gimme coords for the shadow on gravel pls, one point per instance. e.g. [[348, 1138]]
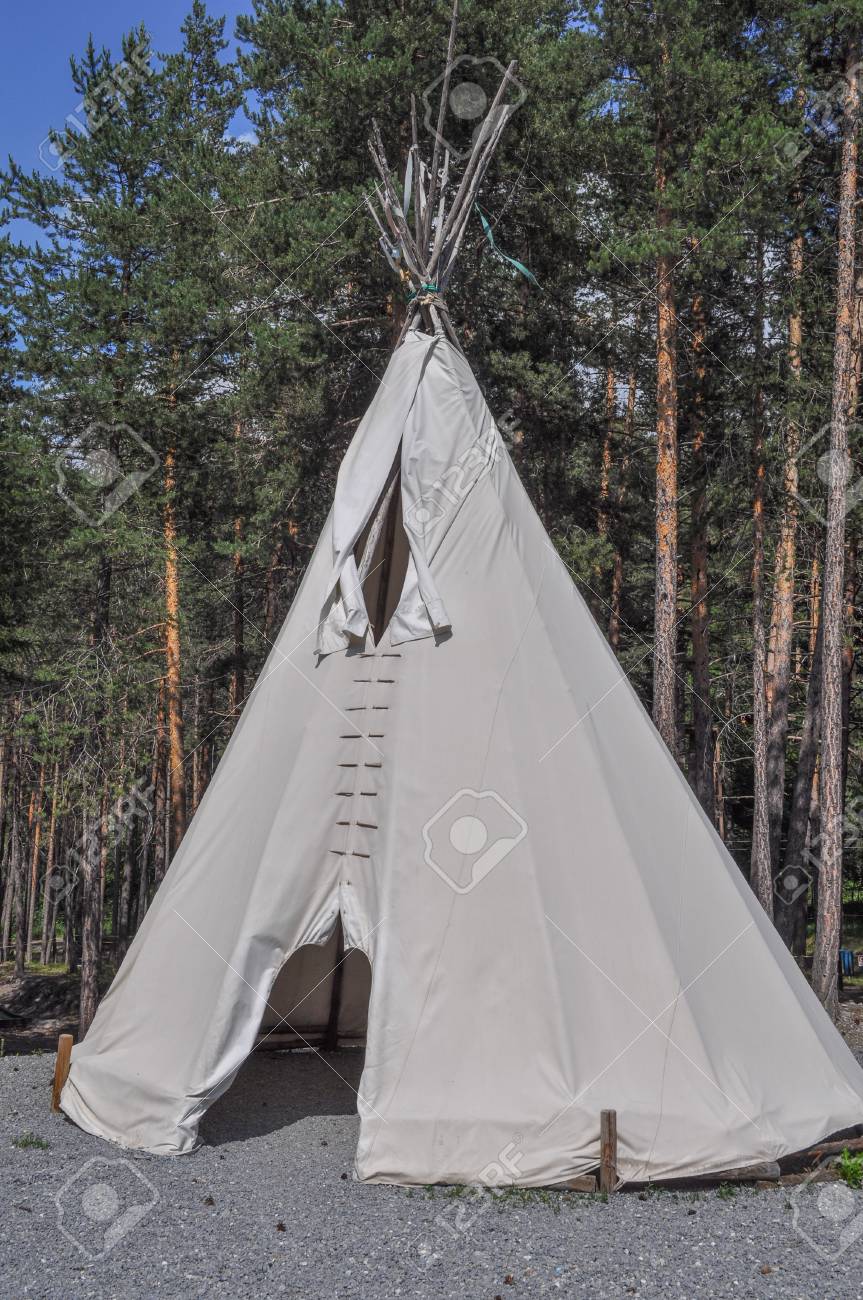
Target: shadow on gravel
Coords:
[[274, 1090]]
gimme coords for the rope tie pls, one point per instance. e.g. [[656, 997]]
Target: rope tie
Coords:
[[427, 295]]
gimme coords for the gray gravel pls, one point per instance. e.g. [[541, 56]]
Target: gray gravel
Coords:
[[265, 1209]]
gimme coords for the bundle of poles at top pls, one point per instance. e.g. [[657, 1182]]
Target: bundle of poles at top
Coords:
[[429, 247]]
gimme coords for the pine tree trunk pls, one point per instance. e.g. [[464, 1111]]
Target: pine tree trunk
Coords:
[[104, 849], [88, 895], [779, 662], [125, 902], [142, 899], [91, 916], [5, 742], [790, 915], [597, 600], [238, 671], [702, 713], [828, 926], [271, 586], [48, 908], [18, 863], [760, 874], [665, 605], [35, 850], [848, 656], [173, 680], [204, 748], [72, 909], [614, 620], [8, 900], [10, 796], [719, 788], [159, 783]]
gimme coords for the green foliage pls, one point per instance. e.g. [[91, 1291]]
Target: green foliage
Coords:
[[29, 1141], [850, 1168]]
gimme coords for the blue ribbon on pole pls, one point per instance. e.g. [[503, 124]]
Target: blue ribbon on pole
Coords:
[[513, 261]]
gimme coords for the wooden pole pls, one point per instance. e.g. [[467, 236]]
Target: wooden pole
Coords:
[[61, 1068], [608, 1151], [331, 1036]]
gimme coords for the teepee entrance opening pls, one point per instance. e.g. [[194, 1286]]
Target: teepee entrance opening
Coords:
[[320, 998], [382, 554]]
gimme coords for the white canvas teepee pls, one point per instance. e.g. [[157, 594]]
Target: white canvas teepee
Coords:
[[443, 754]]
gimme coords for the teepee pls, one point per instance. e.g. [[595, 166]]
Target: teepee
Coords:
[[443, 767]]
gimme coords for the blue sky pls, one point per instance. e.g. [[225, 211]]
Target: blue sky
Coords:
[[38, 37]]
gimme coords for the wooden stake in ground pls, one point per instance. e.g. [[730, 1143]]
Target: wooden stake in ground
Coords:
[[824, 966], [61, 1068], [608, 1151]]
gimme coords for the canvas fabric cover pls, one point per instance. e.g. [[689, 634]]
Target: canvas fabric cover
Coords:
[[553, 925]]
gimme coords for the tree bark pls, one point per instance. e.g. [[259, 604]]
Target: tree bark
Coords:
[[47, 946], [9, 804], [18, 867], [5, 742], [238, 671], [142, 899], [829, 920], [271, 587], [779, 660], [203, 761], [91, 916], [665, 603], [760, 874], [702, 714], [795, 879], [159, 783], [35, 851], [604, 481], [848, 656], [125, 901], [614, 620], [173, 677]]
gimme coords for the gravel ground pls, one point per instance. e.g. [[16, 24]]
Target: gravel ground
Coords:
[[268, 1208]]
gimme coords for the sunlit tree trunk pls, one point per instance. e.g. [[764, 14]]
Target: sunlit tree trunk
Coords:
[[665, 602], [829, 920], [779, 660], [173, 676]]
